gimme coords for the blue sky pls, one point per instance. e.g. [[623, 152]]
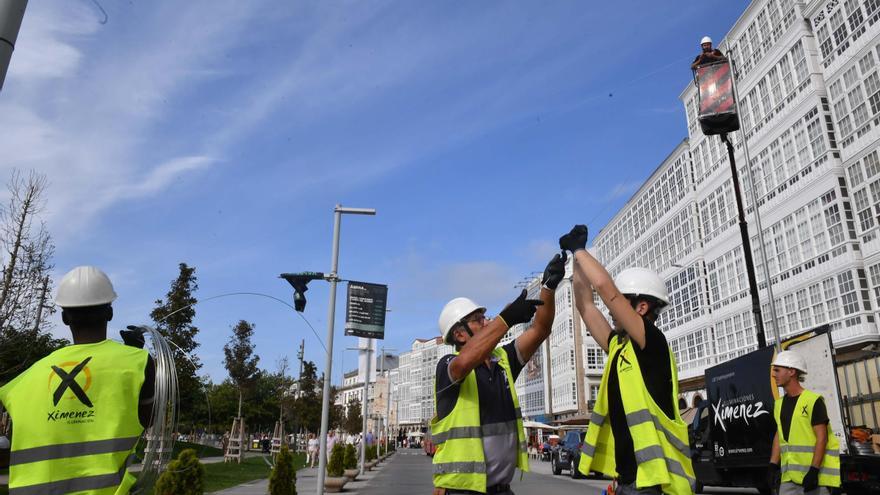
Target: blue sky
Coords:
[[222, 133]]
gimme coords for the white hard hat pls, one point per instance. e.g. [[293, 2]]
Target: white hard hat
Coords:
[[453, 313], [642, 281], [84, 286], [791, 359], [705, 39]]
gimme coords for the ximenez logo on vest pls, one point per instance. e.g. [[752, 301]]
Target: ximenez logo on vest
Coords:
[[65, 388]]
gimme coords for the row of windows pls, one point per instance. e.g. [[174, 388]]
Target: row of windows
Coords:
[[825, 301], [565, 395], [668, 244], [808, 232], [776, 166], [768, 26], [840, 23], [660, 197], [684, 296], [734, 336], [708, 155], [691, 349], [855, 98], [779, 86], [727, 278], [864, 180]]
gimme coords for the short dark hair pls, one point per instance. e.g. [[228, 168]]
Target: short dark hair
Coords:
[[654, 304]]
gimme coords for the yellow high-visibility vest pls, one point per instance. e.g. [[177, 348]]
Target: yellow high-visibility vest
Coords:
[[75, 420], [660, 443], [459, 461], [796, 453]]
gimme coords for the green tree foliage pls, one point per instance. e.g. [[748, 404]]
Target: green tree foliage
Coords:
[[240, 361], [336, 465], [282, 481], [354, 421], [307, 409], [350, 461], [20, 349], [184, 476], [173, 316], [371, 452]]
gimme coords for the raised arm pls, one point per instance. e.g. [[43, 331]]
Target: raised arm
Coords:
[[527, 343], [597, 276], [596, 323]]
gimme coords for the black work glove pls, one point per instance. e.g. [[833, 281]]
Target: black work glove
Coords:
[[554, 272], [134, 336], [521, 310], [575, 240], [811, 479], [773, 476]]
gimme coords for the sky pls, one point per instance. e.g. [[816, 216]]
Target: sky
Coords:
[[222, 134]]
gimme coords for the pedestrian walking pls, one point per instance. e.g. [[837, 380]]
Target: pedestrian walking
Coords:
[[478, 431], [312, 452], [804, 445], [636, 433], [77, 434]]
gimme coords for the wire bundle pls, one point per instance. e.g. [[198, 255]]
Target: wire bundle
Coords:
[[160, 434]]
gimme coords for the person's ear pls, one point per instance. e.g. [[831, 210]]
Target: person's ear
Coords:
[[64, 318]]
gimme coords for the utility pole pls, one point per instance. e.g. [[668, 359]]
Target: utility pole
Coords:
[[11, 15], [364, 408]]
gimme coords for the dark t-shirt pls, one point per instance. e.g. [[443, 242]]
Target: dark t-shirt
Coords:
[[820, 413], [657, 375], [496, 403], [716, 52]]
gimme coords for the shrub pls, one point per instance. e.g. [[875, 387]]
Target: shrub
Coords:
[[350, 461], [337, 455], [183, 476], [371, 452], [282, 481]]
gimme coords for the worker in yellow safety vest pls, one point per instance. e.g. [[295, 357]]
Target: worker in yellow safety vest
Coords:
[[78, 413], [805, 449], [478, 430], [636, 433]]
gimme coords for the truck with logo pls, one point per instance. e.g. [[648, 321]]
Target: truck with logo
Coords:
[[732, 431]]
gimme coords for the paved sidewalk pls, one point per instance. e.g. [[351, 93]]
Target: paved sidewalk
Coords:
[[307, 482]]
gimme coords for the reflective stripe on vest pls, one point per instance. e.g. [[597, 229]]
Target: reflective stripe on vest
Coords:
[[796, 453], [661, 449], [459, 461], [75, 420]]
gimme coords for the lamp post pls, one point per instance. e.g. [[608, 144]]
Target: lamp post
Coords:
[[333, 278], [11, 15], [388, 398]]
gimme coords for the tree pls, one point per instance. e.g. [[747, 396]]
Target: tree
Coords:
[[354, 421], [307, 412], [173, 317], [282, 481], [26, 251], [27, 254], [240, 361]]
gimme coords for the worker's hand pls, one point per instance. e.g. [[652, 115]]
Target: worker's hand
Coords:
[[773, 476], [134, 336], [575, 240], [554, 272], [439, 491], [811, 479], [521, 310]]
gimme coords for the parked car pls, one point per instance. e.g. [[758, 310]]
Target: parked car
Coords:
[[568, 454]]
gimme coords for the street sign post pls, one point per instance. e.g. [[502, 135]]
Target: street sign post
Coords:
[[365, 310]]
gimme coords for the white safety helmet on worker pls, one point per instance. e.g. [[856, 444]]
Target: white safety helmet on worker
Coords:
[[645, 282], [454, 312], [705, 40], [84, 286], [791, 359]]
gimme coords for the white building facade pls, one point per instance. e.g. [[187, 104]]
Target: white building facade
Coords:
[[414, 390]]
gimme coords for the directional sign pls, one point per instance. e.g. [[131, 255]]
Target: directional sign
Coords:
[[365, 310]]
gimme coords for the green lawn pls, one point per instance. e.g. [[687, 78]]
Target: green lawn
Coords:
[[224, 475], [201, 450]]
